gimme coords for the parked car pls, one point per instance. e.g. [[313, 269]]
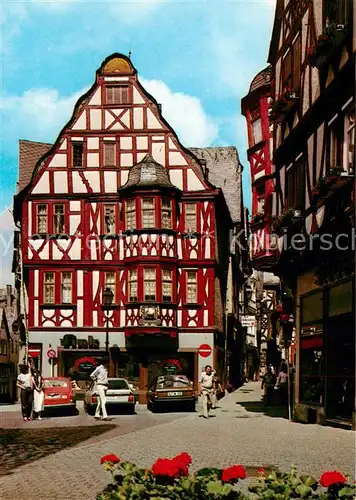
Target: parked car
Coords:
[[172, 390], [120, 394], [58, 394]]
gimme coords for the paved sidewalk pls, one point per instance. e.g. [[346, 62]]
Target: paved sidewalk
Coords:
[[235, 435]]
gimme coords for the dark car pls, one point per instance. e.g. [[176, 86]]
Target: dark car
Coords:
[[171, 390]]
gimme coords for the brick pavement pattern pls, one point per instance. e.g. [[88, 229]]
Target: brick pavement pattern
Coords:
[[234, 436]]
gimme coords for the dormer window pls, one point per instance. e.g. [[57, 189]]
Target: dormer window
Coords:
[[130, 214], [148, 213], [117, 94], [166, 213]]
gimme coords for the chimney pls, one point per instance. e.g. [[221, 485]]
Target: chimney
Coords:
[[8, 295], [204, 168]]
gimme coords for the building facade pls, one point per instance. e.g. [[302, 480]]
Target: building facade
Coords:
[[9, 345], [125, 240], [312, 124]]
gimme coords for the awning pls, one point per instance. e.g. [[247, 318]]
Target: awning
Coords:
[[34, 353]]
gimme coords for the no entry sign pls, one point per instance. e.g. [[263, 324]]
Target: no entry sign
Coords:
[[51, 353], [204, 350]]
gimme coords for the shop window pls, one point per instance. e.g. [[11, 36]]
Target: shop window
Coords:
[[338, 12], [291, 67], [349, 145], [167, 285], [191, 217], [66, 288], [109, 154], [148, 212], [109, 219], [312, 308], [192, 287], [311, 374], [77, 155], [166, 213], [49, 283], [42, 218], [295, 185], [130, 214], [117, 94], [335, 144], [341, 299], [133, 286], [59, 219], [257, 130], [149, 277], [110, 283]]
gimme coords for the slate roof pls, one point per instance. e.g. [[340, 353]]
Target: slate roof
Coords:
[[29, 154], [224, 172], [262, 78], [148, 173]]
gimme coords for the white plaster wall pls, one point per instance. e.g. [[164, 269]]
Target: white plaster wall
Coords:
[[137, 98], [152, 121], [138, 118], [58, 160], [176, 158], [60, 182], [176, 177], [142, 142], [126, 142], [95, 119], [192, 340], [42, 186], [194, 183], [110, 181]]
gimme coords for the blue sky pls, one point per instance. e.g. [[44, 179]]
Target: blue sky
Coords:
[[196, 57]]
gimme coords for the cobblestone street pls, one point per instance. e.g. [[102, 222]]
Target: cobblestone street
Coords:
[[234, 435]]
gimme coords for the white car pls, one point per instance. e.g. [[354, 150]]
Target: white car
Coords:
[[119, 394]]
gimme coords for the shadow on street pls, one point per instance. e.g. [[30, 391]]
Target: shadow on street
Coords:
[[270, 411]]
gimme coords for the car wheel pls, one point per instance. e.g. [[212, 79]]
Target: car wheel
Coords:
[[132, 410], [191, 407]]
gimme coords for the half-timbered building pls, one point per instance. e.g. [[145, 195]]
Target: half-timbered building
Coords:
[[312, 119], [118, 208]]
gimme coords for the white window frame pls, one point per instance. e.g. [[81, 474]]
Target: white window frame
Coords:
[[132, 286], [49, 288], [149, 285], [192, 286], [148, 212], [191, 214], [66, 287]]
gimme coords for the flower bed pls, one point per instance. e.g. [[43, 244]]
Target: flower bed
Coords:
[[170, 478]]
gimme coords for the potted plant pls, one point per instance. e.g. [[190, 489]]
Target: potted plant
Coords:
[[321, 51], [257, 218], [333, 174], [283, 104]]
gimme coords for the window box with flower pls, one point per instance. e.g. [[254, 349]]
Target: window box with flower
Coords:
[[324, 48], [283, 221], [257, 219], [283, 105]]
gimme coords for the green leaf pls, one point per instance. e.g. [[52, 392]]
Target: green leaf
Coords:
[[347, 492], [308, 481], [226, 490], [303, 490], [214, 487]]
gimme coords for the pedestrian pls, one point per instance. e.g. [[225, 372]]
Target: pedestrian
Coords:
[[207, 388], [24, 382], [216, 390], [282, 383], [268, 383], [100, 377], [38, 395]]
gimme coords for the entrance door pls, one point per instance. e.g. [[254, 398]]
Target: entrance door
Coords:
[[340, 367]]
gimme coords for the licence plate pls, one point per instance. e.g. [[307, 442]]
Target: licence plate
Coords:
[[53, 396], [175, 394], [116, 398]]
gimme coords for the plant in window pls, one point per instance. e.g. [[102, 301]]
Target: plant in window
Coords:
[[256, 218], [318, 53], [283, 220], [283, 104]]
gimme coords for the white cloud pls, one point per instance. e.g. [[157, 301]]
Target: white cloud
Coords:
[[184, 113], [39, 114], [6, 247]]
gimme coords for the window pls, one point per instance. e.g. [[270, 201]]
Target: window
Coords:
[[260, 192], [110, 282], [167, 285], [133, 286], [66, 288], [166, 213], [109, 154], [295, 185], [291, 67], [149, 277], [117, 94], [335, 144], [109, 219], [148, 212], [130, 214], [42, 221], [192, 287], [77, 151], [257, 130], [311, 373], [58, 219], [338, 12], [349, 158], [191, 217], [49, 288]]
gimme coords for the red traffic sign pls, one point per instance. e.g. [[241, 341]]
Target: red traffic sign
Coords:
[[204, 350], [51, 353]]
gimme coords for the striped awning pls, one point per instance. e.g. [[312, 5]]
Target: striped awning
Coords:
[[34, 352]]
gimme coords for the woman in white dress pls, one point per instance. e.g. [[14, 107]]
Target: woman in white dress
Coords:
[[38, 395]]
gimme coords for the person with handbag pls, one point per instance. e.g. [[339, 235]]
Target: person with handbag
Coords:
[[25, 383], [100, 377], [38, 395]]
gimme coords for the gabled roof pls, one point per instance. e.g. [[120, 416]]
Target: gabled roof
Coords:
[[263, 78], [225, 172], [148, 173], [29, 154]]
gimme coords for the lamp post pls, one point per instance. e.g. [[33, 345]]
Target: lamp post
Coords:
[[108, 297]]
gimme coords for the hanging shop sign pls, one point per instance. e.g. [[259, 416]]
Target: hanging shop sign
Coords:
[[248, 321], [171, 366], [70, 341], [85, 363]]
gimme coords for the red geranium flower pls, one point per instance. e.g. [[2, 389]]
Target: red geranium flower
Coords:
[[332, 477], [261, 471], [110, 458], [233, 473], [166, 467], [184, 457]]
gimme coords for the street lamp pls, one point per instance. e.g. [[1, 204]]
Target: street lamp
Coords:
[[108, 297]]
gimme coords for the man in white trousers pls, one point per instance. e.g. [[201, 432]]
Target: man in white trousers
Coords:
[[100, 377], [207, 389]]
